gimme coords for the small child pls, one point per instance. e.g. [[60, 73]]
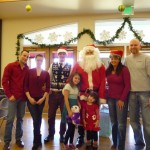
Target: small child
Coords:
[[70, 92], [91, 118]]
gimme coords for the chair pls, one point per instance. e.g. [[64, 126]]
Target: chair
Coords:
[[3, 110]]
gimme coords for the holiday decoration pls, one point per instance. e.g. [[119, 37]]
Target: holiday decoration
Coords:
[[122, 35], [105, 35], [88, 32], [28, 8], [39, 38], [121, 8], [140, 33], [75, 119], [53, 37], [68, 36]]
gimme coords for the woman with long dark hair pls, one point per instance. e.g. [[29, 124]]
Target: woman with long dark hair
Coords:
[[118, 79]]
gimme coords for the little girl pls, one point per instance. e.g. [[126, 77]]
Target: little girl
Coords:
[[91, 118], [70, 92]]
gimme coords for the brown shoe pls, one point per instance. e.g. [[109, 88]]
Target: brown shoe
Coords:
[[20, 143], [6, 146]]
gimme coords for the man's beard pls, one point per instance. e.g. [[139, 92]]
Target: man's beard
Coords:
[[90, 63]]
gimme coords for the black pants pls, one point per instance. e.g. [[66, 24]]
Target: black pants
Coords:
[[69, 133], [56, 99], [92, 135], [81, 133], [36, 113]]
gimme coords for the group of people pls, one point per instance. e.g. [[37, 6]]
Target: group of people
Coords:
[[81, 85]]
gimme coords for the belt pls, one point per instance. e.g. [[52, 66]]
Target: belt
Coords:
[[88, 90], [139, 91], [56, 91]]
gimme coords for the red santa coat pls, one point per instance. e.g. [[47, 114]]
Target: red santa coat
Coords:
[[94, 80]]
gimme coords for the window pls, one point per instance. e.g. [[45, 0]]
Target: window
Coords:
[[31, 61], [69, 59], [104, 56], [53, 35], [105, 53], [105, 29], [145, 50]]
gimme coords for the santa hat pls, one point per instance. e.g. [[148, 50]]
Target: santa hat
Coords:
[[62, 50], [118, 53], [90, 47]]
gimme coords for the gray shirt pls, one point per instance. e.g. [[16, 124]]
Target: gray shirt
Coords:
[[139, 68]]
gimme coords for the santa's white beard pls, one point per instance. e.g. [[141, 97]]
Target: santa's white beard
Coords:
[[90, 63]]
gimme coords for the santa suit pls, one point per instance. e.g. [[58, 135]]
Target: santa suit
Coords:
[[94, 80]]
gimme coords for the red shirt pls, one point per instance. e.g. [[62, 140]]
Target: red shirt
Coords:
[[119, 85], [13, 80], [33, 83]]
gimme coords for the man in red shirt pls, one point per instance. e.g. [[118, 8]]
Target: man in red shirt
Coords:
[[12, 81]]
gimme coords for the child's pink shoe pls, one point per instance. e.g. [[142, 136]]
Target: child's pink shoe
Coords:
[[71, 146], [66, 147]]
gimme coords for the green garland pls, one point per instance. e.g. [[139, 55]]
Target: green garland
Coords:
[[85, 31]]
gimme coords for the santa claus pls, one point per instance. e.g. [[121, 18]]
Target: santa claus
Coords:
[[92, 78]]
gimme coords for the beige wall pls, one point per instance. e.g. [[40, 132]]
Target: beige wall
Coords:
[[12, 27]]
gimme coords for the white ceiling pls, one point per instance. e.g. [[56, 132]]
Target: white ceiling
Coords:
[[41, 8]]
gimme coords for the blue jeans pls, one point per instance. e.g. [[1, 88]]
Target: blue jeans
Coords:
[[16, 108], [36, 113], [118, 120], [139, 101]]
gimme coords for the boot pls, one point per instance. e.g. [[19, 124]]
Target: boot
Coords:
[[37, 142], [48, 138], [36, 146], [6, 146], [95, 146], [88, 146], [62, 139]]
